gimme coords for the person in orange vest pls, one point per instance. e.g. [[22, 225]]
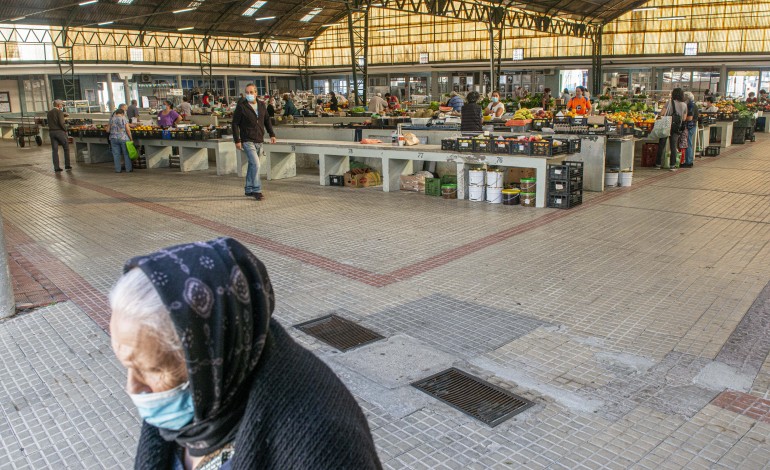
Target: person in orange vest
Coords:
[[579, 104]]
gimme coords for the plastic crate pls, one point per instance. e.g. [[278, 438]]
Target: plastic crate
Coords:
[[739, 135], [519, 147], [541, 148], [482, 145], [464, 144], [448, 144], [649, 155], [336, 180], [564, 120], [565, 202], [560, 149], [579, 121], [448, 179], [433, 186], [565, 171], [712, 151], [574, 145], [501, 146], [565, 188], [539, 124]]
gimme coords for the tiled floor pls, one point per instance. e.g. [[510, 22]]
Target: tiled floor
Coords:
[[637, 323]]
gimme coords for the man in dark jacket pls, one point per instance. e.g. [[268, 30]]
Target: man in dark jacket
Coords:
[[250, 121], [57, 130]]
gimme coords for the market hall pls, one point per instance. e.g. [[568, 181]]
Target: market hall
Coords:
[[451, 234]]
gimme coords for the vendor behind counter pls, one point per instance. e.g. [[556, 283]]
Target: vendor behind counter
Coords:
[[168, 117]]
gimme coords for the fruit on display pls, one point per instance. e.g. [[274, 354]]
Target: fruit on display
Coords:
[[523, 113], [631, 117]]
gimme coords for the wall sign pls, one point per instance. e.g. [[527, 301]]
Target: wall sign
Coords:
[[423, 57]]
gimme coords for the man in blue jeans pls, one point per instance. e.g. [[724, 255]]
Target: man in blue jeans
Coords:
[[250, 121], [692, 128]]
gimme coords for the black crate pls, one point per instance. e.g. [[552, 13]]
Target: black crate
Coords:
[[565, 202], [739, 135], [541, 148], [566, 171], [336, 180], [482, 145], [539, 124], [574, 144], [501, 146], [579, 121], [519, 147], [464, 144], [560, 149], [565, 188], [448, 144], [712, 151], [561, 120]]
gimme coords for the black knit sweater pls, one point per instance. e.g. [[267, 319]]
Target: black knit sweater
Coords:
[[299, 416], [470, 117]]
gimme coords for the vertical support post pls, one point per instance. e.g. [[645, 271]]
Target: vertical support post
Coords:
[[304, 73], [227, 88], [126, 91], [204, 59], [66, 63], [110, 95], [495, 56], [358, 32], [7, 303], [596, 63]]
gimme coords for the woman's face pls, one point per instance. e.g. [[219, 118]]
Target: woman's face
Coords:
[[151, 368]]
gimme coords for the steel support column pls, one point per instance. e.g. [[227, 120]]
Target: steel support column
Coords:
[[358, 32], [304, 72], [596, 64], [495, 56], [204, 58], [66, 63]]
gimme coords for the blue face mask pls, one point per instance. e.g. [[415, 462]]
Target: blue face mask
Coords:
[[171, 409], [495, 99], [251, 98]]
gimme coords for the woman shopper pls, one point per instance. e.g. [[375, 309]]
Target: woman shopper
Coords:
[[120, 133], [495, 108], [691, 128], [217, 381], [288, 106], [470, 115], [168, 117], [677, 109], [333, 103]]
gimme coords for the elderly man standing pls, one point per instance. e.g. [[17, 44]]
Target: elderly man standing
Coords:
[[57, 130], [250, 121], [132, 113], [377, 105]]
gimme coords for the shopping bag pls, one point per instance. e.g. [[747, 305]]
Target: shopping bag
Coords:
[[662, 128], [683, 140], [132, 152]]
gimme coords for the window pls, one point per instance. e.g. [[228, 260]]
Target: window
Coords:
[[136, 54], [261, 86], [36, 52], [340, 86], [34, 95], [253, 8], [188, 84], [275, 59], [256, 60], [423, 57], [691, 48], [518, 54], [311, 15], [320, 87]]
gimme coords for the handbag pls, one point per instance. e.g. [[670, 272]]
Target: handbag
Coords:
[[683, 142], [662, 128], [133, 154]]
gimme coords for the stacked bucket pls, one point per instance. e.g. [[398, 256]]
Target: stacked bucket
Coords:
[[494, 180], [487, 183], [476, 178]]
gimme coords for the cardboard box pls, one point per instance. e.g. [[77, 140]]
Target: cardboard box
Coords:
[[363, 180], [514, 175]]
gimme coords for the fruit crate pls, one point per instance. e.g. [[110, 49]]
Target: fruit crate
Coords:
[[565, 171], [433, 186], [501, 146], [541, 148], [712, 151], [574, 145], [565, 188], [649, 154], [464, 144], [519, 147], [448, 144], [565, 202], [482, 145], [539, 124], [563, 120], [560, 149], [579, 121]]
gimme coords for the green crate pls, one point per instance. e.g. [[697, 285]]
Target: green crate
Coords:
[[449, 179], [432, 187]]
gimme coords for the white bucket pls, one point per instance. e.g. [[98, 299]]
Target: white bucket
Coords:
[[476, 177], [476, 193], [611, 179], [625, 178], [495, 179], [495, 195]]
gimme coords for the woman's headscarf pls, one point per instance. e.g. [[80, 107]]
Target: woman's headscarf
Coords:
[[220, 299]]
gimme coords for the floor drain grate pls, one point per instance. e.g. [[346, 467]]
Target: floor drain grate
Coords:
[[473, 396], [338, 332]]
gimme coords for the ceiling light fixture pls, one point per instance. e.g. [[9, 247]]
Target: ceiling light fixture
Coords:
[[330, 25], [311, 15], [186, 28], [18, 19], [665, 18], [306, 38], [251, 33], [125, 2], [645, 9], [185, 10], [265, 18], [89, 2], [106, 23], [253, 8]]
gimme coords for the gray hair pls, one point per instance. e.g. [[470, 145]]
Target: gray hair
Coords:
[[58, 102], [135, 297], [689, 96]]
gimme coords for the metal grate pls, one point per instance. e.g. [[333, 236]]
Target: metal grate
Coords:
[[473, 396], [338, 332]]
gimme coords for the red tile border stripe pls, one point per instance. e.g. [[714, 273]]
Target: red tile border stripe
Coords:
[[359, 274], [744, 404]]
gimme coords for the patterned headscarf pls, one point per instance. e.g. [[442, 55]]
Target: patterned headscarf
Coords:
[[220, 299]]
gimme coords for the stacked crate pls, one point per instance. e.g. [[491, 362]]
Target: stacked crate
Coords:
[[565, 185]]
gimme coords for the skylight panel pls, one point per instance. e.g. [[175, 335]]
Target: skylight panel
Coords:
[[125, 2], [311, 15], [253, 8]]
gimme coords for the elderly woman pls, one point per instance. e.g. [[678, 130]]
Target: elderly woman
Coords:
[[691, 128], [218, 383]]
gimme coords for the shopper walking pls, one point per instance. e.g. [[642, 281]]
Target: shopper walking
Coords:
[[120, 133], [691, 128], [677, 109], [57, 131], [132, 112], [470, 115], [250, 122]]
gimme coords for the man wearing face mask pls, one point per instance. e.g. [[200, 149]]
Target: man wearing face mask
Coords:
[[250, 121], [495, 108]]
